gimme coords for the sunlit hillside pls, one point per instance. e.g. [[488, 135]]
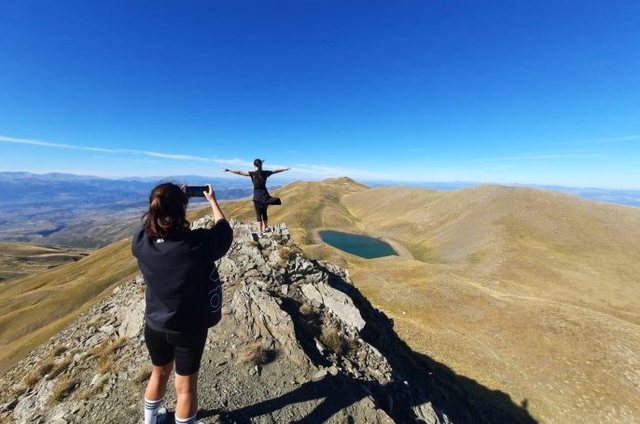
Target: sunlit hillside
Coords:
[[35, 307], [307, 206], [531, 292], [20, 259]]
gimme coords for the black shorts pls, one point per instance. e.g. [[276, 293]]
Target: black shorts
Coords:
[[261, 211], [185, 348]]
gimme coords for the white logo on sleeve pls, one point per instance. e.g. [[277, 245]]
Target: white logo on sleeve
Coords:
[[215, 295]]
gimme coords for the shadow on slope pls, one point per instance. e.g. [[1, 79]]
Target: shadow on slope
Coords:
[[460, 398], [338, 392], [417, 380]]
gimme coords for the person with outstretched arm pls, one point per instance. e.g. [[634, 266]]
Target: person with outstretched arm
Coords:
[[183, 294], [261, 197]]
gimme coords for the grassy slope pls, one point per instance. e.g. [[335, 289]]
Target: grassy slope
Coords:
[[527, 291], [306, 207], [20, 259], [35, 307], [522, 240]]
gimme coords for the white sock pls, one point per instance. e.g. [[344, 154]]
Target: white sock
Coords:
[[190, 420], [151, 408]]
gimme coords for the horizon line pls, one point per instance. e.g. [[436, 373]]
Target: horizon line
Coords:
[[358, 180]]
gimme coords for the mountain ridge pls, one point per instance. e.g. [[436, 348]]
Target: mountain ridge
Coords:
[[348, 363], [526, 292], [537, 280]]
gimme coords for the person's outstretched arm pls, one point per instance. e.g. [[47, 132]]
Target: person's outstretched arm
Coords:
[[275, 171], [215, 208], [243, 173], [217, 239]]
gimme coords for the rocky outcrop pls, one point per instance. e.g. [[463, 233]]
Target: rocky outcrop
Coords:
[[297, 343]]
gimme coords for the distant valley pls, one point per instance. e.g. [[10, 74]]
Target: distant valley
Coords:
[[84, 211]]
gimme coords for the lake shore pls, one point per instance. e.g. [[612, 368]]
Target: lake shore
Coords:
[[395, 245]]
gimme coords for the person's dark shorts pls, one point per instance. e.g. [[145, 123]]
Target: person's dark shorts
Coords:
[[185, 348], [261, 211]]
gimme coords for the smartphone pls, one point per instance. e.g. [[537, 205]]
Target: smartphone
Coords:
[[196, 191]]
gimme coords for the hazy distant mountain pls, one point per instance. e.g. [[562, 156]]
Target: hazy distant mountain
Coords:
[[622, 197], [84, 211], [88, 211], [23, 188]]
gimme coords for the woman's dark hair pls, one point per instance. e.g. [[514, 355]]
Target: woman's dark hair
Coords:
[[167, 212], [258, 174]]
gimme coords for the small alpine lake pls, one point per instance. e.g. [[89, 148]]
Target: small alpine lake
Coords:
[[357, 244]]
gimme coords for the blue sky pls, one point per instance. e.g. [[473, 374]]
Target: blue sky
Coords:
[[541, 92]]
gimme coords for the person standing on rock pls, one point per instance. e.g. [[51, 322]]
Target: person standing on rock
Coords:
[[183, 294], [261, 197]]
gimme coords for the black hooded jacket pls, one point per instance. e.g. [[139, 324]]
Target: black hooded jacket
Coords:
[[183, 287]]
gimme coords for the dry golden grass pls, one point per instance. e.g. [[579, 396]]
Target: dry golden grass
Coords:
[[104, 354], [36, 375], [307, 311], [335, 342], [332, 340], [19, 389], [310, 322], [110, 346], [59, 368], [106, 365], [253, 354], [34, 308], [21, 259], [286, 254], [530, 292], [63, 388], [142, 375], [82, 393], [59, 350]]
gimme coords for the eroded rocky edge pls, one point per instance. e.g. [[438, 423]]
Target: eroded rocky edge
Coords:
[[297, 343]]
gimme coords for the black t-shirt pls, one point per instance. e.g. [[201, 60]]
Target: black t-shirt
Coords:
[[260, 183], [183, 286]]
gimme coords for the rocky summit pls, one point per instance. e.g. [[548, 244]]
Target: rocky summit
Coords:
[[297, 343]]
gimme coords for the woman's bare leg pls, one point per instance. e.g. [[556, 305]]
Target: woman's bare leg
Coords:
[[187, 394], [157, 386]]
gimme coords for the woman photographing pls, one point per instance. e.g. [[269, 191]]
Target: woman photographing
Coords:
[[261, 197], [183, 294]]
